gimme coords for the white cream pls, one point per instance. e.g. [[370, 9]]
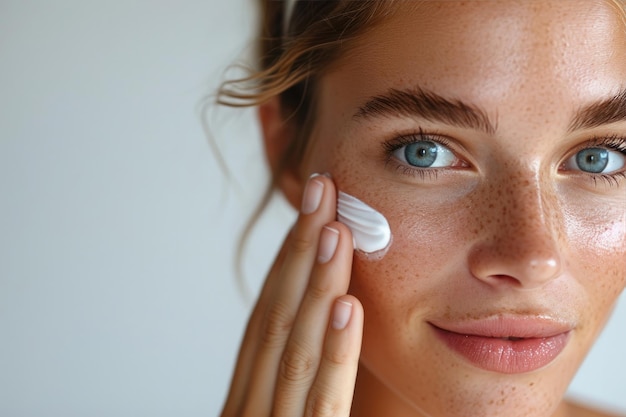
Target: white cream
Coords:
[[370, 229]]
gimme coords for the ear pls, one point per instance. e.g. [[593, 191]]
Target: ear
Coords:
[[277, 136]]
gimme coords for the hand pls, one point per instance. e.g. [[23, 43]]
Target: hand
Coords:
[[300, 353]]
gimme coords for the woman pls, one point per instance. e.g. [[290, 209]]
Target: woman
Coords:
[[491, 136]]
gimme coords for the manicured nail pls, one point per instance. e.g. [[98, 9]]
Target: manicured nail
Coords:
[[312, 195], [342, 311], [328, 244]]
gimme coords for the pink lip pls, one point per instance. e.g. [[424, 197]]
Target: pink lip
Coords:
[[486, 343]]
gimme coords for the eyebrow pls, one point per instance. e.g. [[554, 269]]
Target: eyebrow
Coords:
[[436, 108], [426, 105], [611, 110]]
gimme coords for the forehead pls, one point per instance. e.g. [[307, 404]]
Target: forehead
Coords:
[[485, 49]]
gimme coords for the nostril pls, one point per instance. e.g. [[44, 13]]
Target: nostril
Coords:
[[504, 279]]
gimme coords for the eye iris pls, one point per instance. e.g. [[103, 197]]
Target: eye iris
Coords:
[[593, 160], [421, 154]]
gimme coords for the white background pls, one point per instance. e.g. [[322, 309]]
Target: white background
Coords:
[[117, 227]]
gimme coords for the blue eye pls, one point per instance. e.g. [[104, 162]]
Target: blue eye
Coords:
[[425, 154], [596, 161]]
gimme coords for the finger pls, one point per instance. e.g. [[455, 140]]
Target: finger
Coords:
[[330, 279], [249, 344], [333, 389], [318, 208]]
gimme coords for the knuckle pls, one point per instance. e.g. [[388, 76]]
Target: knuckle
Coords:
[[335, 358], [318, 289], [296, 366], [301, 244], [277, 325], [320, 405]]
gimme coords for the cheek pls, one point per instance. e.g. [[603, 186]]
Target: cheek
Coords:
[[598, 245], [597, 237], [428, 246]]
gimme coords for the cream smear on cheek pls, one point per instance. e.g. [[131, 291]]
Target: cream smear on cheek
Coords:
[[370, 229]]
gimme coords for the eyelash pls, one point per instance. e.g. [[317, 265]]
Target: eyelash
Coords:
[[615, 143]]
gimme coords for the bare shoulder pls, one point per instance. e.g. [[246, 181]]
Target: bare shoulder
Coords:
[[578, 410]]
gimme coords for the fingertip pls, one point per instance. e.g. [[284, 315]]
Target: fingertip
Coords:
[[344, 232], [335, 240], [347, 310], [319, 194], [342, 312], [329, 239], [318, 206]]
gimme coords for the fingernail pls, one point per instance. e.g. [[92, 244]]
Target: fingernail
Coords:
[[341, 314], [312, 195], [328, 244]]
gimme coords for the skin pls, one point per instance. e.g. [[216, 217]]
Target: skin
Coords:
[[508, 230]]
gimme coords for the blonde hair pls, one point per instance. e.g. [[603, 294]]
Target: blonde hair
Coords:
[[291, 63], [292, 56]]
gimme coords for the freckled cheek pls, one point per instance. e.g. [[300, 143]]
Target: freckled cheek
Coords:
[[427, 246]]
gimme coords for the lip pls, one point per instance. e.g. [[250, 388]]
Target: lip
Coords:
[[508, 345]]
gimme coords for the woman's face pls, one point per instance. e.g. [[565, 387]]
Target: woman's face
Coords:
[[489, 135]]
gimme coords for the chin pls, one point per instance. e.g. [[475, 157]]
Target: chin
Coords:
[[435, 387]]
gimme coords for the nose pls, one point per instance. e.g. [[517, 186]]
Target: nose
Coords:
[[519, 245]]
